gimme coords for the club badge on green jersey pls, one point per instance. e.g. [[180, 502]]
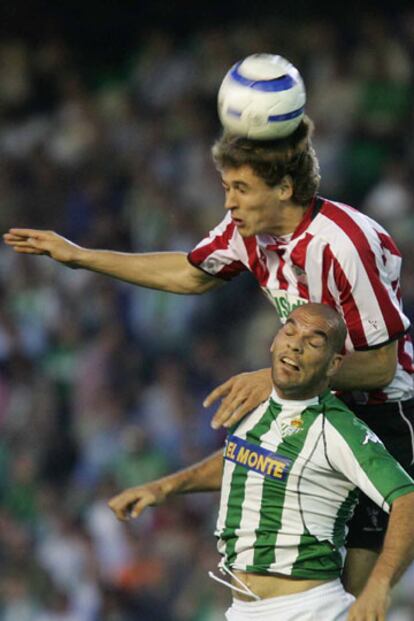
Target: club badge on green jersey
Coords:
[[290, 427]]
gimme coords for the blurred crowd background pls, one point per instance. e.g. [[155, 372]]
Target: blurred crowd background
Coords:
[[105, 135]]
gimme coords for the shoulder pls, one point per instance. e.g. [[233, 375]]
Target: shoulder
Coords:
[[266, 409], [349, 230], [341, 419]]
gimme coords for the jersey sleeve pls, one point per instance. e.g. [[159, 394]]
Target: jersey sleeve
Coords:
[[357, 452], [222, 253], [364, 282]]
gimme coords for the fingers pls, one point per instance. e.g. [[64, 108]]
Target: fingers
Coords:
[[138, 507], [122, 505], [372, 607], [130, 504], [240, 395], [19, 237], [25, 245], [11, 240], [227, 417], [231, 408], [25, 233], [27, 250], [218, 393]]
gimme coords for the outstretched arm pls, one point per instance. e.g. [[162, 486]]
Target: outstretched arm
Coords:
[[397, 554], [167, 271], [204, 476]]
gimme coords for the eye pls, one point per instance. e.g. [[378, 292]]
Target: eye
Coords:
[[316, 344]]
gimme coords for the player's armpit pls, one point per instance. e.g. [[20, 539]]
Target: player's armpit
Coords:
[[199, 281]]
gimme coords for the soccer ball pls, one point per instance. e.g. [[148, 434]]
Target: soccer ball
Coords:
[[262, 97]]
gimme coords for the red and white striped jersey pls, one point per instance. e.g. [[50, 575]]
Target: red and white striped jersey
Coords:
[[337, 256]]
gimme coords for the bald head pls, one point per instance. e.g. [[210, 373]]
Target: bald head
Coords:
[[306, 352], [336, 328]]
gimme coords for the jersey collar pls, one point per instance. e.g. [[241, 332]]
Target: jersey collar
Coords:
[[294, 403], [312, 211]]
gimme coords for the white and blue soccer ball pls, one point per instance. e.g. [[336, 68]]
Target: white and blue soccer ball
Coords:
[[262, 97]]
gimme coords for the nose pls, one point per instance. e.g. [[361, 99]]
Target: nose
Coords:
[[230, 201], [295, 344]]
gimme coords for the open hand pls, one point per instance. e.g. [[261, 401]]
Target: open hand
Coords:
[[239, 396], [32, 241]]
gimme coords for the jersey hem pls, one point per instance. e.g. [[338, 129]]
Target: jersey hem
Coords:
[[379, 345], [305, 574]]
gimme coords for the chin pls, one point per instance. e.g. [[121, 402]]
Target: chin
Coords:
[[246, 232], [285, 387]]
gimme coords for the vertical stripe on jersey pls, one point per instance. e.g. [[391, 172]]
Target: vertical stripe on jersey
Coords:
[[356, 234], [235, 500], [326, 296], [242, 428], [287, 542], [256, 261], [298, 258], [350, 309], [283, 283], [271, 516]]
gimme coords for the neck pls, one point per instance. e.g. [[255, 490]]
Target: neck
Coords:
[[298, 394], [289, 218]]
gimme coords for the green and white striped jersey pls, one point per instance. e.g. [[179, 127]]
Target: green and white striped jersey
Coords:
[[290, 479]]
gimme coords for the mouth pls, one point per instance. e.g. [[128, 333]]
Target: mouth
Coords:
[[289, 363], [237, 221]]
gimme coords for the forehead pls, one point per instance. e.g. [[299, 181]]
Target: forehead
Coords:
[[242, 174], [307, 319]]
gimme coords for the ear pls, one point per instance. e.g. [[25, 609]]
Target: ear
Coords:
[[334, 365], [286, 188]]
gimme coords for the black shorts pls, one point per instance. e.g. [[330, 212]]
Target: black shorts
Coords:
[[394, 424]]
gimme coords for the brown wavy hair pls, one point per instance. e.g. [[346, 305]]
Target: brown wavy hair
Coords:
[[293, 156]]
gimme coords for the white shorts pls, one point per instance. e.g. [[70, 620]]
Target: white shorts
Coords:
[[328, 602]]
